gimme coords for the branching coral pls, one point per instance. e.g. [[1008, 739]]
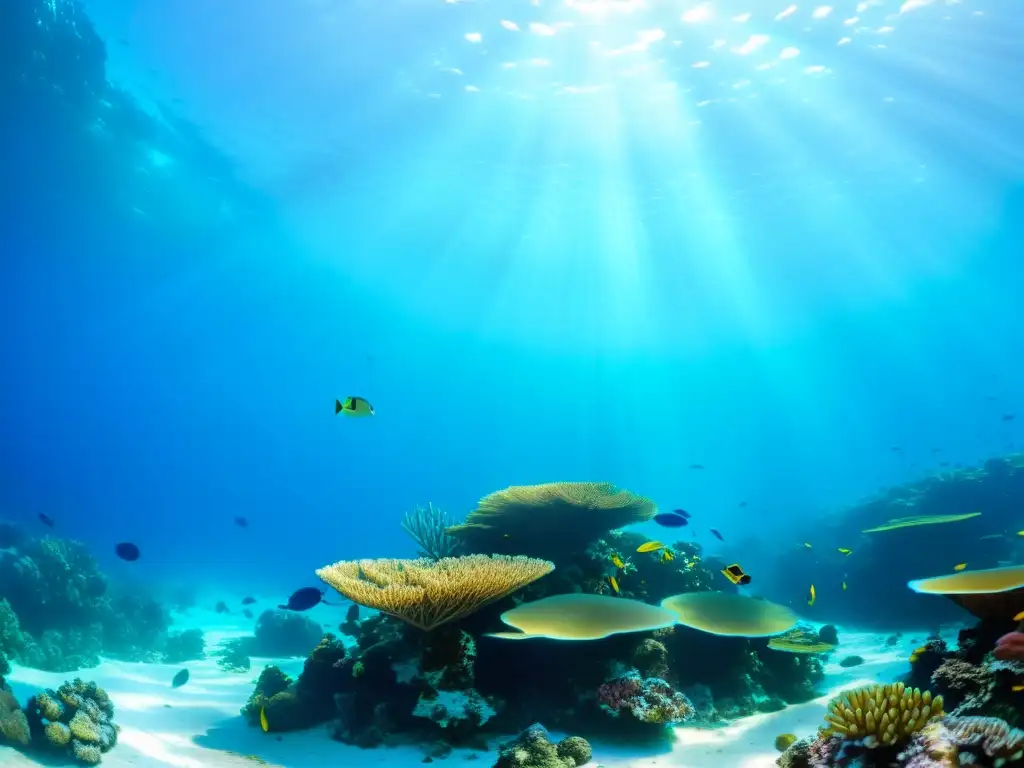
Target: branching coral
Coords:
[[427, 527], [881, 714], [428, 593]]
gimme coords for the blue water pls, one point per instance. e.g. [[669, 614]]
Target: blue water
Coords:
[[569, 251]]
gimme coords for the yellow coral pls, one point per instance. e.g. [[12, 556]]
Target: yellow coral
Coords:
[[428, 593], [549, 518], [48, 707], [84, 728], [882, 714], [58, 734]]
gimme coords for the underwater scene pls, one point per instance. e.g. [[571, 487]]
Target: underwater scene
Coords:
[[537, 383]]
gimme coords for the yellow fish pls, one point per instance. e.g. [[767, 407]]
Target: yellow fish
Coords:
[[1017, 688], [650, 546], [617, 561], [1019, 616], [354, 406], [263, 720], [806, 544], [844, 586], [811, 595], [845, 551], [959, 566], [614, 583], [667, 556], [1020, 533]]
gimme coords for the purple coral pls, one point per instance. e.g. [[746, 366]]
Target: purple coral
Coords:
[[650, 700]]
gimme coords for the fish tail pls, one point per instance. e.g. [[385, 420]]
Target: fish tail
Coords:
[[338, 407]]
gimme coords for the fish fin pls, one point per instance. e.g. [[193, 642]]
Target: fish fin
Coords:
[[338, 407]]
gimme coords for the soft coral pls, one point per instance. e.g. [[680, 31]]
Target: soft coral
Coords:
[[1010, 647]]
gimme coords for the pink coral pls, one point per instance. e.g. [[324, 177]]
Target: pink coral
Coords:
[[1010, 647]]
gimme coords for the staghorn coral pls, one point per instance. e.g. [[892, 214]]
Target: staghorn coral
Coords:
[[549, 520], [428, 593], [427, 527], [881, 714]]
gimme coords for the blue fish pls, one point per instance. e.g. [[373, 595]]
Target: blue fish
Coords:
[[670, 520]]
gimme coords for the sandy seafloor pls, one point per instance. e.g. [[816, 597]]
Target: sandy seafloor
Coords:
[[199, 724]]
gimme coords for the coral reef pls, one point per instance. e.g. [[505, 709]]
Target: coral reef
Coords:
[[995, 487], [59, 613], [533, 748], [651, 701], [284, 633], [184, 646], [76, 720]]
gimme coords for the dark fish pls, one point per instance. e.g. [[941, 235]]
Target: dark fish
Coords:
[[46, 520], [352, 614], [891, 640], [670, 520], [127, 551], [180, 679], [743, 503], [247, 613], [716, 534], [851, 661], [682, 513], [1009, 416], [696, 466], [221, 607], [241, 522], [248, 600], [304, 599]]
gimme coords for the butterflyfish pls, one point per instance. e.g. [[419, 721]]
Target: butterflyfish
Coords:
[[959, 566], [354, 406], [811, 595], [617, 561], [667, 556], [736, 575], [263, 720], [1019, 616]]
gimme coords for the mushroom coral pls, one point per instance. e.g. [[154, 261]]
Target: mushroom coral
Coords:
[[428, 593], [722, 613], [582, 617]]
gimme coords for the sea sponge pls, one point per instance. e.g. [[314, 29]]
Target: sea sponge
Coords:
[[57, 733], [551, 519], [881, 715], [580, 616], [534, 749], [725, 613], [429, 593]]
